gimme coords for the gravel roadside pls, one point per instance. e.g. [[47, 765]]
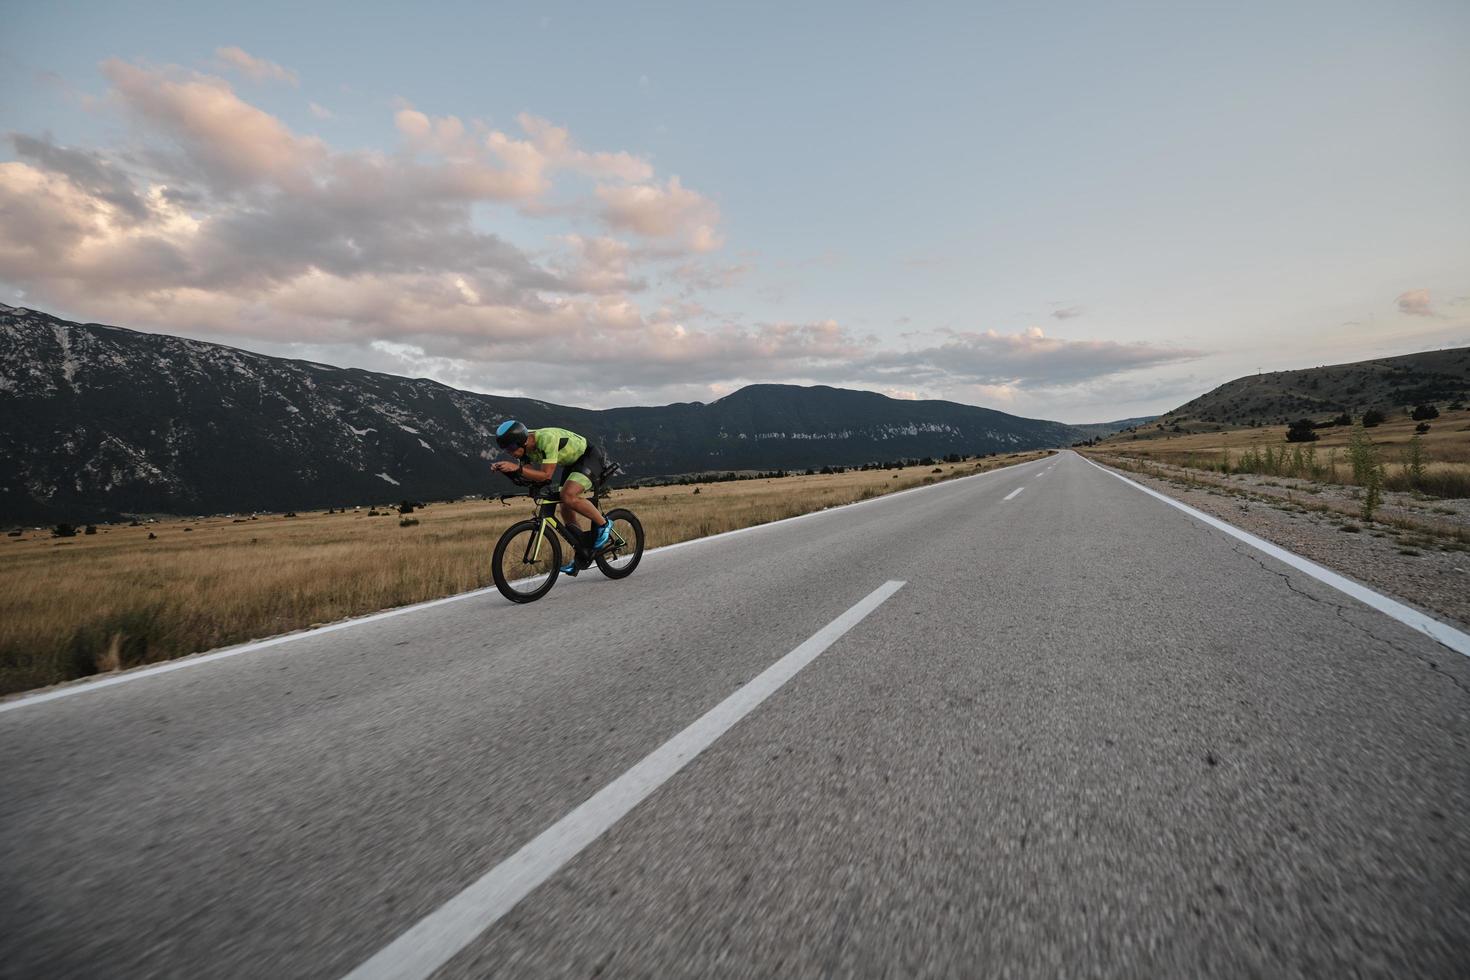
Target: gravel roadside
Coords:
[[1414, 550]]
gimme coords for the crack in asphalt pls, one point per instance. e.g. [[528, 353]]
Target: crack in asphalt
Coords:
[[1341, 612]]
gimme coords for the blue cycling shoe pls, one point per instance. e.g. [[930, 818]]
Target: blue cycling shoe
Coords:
[[604, 536], [570, 568]]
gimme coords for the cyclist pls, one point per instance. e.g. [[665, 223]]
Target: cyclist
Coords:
[[546, 448]]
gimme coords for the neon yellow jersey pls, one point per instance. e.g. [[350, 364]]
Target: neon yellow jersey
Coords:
[[556, 446]]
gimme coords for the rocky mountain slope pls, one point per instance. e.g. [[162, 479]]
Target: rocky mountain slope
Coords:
[[98, 421], [1277, 397]]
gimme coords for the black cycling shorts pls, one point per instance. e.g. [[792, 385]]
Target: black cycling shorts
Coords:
[[589, 466]]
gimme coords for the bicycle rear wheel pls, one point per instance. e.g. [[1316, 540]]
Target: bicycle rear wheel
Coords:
[[622, 556], [523, 572]]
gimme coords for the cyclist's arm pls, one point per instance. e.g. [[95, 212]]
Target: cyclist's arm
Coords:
[[533, 474]]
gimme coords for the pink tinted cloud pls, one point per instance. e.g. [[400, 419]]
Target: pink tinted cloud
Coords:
[[229, 222], [232, 141], [598, 265], [255, 69], [556, 146], [670, 212], [236, 225], [1415, 302]]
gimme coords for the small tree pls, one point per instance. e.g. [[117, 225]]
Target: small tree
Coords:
[[1422, 428], [1362, 454], [1372, 417], [1301, 431], [1372, 492], [1423, 412], [1343, 419], [1414, 462]]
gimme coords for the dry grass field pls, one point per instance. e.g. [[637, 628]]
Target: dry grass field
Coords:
[[1445, 448], [76, 606]]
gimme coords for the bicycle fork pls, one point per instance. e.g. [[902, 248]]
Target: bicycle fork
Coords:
[[533, 547]]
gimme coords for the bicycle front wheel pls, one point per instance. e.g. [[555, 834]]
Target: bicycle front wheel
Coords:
[[526, 562], [622, 556]]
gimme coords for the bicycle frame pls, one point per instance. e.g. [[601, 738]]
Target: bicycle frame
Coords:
[[546, 515]]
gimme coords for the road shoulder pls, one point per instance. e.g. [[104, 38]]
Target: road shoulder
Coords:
[[1420, 570]]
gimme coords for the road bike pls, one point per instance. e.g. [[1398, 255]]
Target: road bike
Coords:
[[528, 558]]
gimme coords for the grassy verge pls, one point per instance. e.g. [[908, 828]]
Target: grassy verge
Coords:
[[1435, 463], [72, 607], [1426, 533]]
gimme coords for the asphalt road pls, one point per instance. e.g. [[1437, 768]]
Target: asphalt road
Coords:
[[1087, 736]]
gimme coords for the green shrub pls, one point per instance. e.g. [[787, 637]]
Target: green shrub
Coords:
[[1302, 430], [1372, 493], [1367, 470], [1362, 454]]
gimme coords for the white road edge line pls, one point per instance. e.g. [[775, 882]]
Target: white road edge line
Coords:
[[140, 673], [1392, 608], [1014, 492], [436, 938], [204, 658]]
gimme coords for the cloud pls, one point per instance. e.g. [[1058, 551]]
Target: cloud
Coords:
[[319, 111], [230, 142], [1415, 302], [1026, 359], [220, 220], [671, 212], [89, 172], [227, 221], [597, 265], [556, 147], [1068, 313], [255, 69], [663, 354]]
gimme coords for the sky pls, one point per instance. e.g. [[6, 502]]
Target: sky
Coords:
[[1076, 211]]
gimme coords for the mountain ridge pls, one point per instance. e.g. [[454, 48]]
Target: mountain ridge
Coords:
[[1279, 397], [100, 421]]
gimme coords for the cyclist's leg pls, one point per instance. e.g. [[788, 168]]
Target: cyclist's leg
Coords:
[[569, 518], [578, 481], [572, 489]]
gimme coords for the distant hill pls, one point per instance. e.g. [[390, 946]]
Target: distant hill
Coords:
[[1278, 397], [98, 421], [1099, 430]]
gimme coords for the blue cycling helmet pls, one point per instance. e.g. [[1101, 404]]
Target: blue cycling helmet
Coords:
[[510, 435]]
